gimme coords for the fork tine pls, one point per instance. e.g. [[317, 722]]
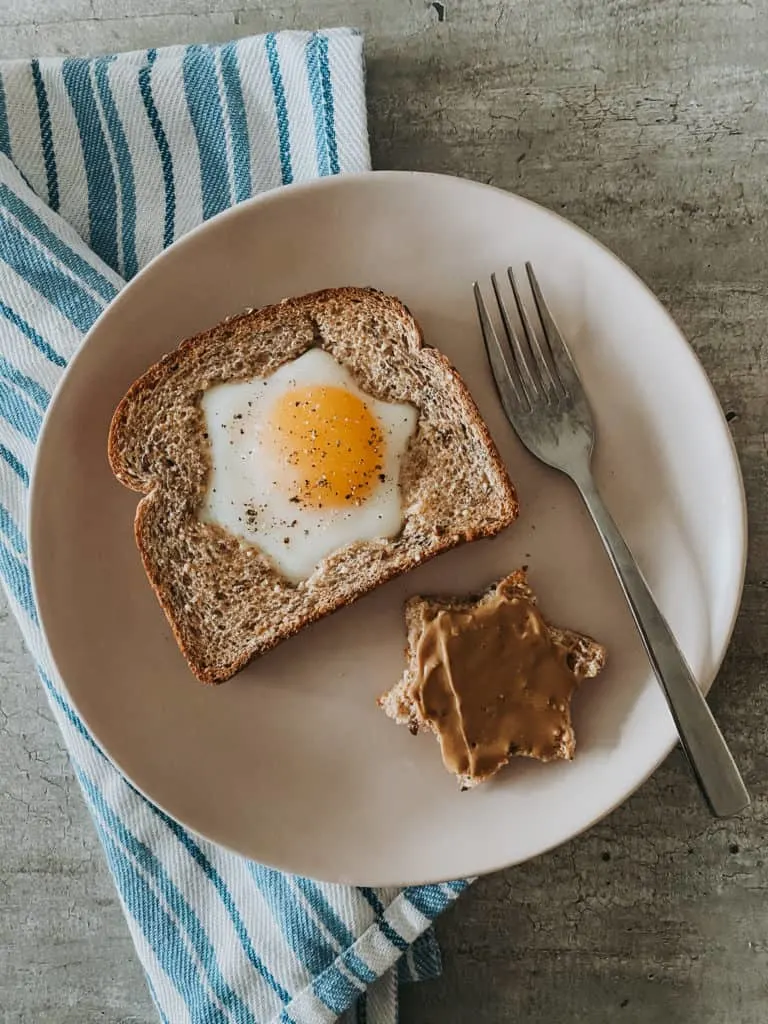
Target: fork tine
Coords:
[[548, 386], [507, 380], [562, 360], [530, 387]]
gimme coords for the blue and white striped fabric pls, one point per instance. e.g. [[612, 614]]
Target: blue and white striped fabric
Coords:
[[103, 163]]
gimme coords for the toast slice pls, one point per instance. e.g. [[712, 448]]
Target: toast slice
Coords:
[[224, 599], [519, 711]]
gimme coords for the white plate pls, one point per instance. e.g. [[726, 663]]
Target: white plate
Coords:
[[291, 762]]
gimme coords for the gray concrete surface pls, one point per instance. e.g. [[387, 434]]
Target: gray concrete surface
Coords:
[[645, 121]]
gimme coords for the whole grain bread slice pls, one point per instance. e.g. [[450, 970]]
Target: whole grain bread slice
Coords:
[[224, 600], [585, 657]]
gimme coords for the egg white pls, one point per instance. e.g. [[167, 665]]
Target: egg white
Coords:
[[244, 493]]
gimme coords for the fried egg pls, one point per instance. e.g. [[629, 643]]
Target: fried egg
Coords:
[[304, 462]]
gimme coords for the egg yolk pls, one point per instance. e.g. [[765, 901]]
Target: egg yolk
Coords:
[[330, 443]]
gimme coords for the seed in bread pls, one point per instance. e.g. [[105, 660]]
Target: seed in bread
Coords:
[[224, 597], [491, 679]]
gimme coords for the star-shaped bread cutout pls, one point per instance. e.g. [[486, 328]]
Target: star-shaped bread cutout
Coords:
[[491, 678]]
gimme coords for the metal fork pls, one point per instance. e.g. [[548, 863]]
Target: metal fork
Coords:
[[545, 402]]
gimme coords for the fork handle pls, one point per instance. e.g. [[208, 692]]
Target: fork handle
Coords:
[[700, 736]]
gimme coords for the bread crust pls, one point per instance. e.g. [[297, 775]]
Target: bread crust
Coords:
[[137, 459]]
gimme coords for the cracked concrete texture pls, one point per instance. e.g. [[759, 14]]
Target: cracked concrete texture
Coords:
[[645, 121]]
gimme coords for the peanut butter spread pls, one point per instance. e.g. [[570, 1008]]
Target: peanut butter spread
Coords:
[[492, 682]]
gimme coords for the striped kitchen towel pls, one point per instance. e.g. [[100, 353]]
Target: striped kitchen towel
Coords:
[[103, 163]]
